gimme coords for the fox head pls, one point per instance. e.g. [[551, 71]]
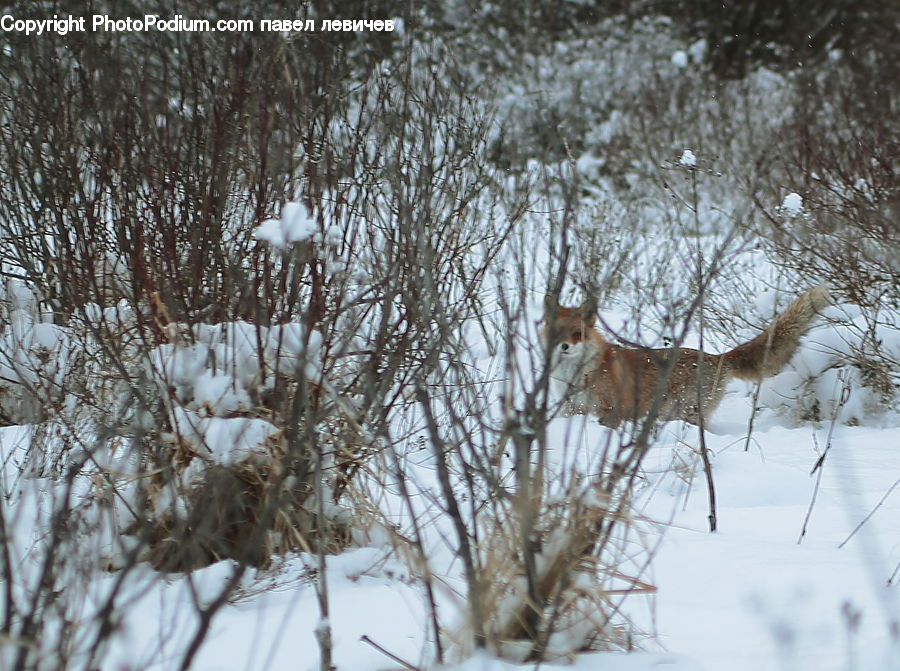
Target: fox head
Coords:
[[568, 328]]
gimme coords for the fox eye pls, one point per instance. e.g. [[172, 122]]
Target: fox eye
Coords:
[[576, 336]]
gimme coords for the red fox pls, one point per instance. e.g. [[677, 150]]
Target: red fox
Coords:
[[619, 383]]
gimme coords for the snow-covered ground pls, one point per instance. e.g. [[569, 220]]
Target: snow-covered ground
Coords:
[[750, 596], [754, 595]]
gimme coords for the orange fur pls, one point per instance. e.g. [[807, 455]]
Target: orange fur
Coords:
[[620, 383]]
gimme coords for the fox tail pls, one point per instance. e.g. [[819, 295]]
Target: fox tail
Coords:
[[770, 351]]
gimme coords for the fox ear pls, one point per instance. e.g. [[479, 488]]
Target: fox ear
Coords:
[[588, 310], [550, 303]]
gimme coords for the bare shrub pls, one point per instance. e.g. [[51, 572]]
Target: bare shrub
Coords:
[[778, 35], [236, 372], [540, 507], [128, 218], [839, 157]]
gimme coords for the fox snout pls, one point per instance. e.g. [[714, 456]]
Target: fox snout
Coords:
[[566, 343], [570, 344]]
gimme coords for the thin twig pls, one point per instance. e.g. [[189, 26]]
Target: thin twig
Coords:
[[388, 654], [701, 422], [439, 450], [817, 468], [871, 513]]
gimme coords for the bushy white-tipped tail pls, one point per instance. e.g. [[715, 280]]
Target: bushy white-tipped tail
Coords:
[[770, 351]]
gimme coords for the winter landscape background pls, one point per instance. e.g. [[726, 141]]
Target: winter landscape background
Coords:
[[272, 393]]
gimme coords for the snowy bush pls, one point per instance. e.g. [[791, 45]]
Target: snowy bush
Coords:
[[35, 356]]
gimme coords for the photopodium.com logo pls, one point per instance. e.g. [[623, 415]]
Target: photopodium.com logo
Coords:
[[178, 23]]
